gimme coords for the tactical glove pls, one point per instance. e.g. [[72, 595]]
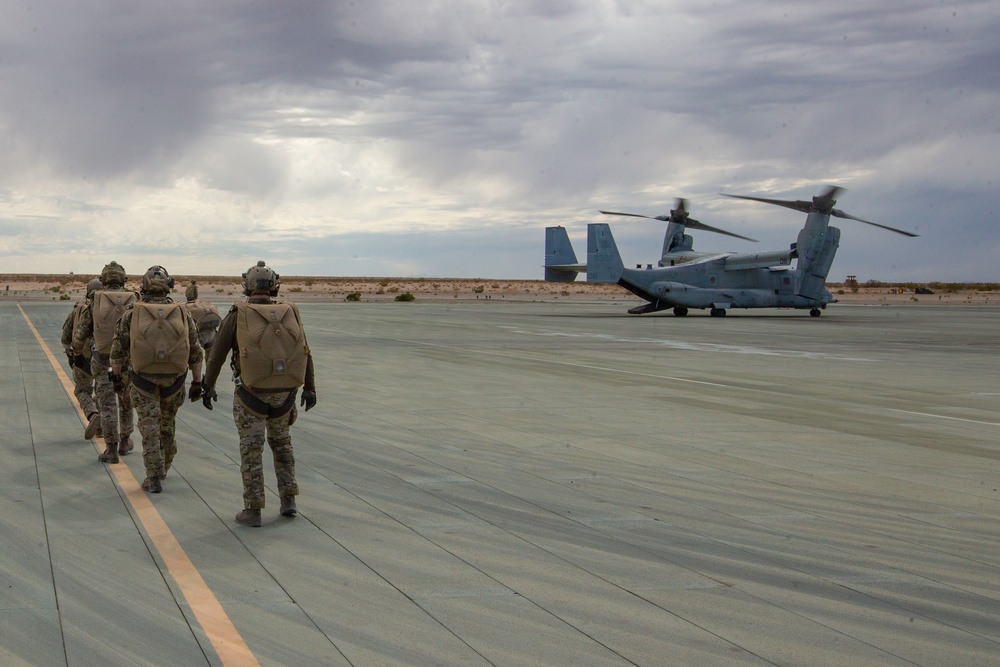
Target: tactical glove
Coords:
[[207, 396], [117, 383], [195, 392], [308, 399]]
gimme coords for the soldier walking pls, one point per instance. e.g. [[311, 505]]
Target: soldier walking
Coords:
[[205, 315], [270, 361], [97, 323], [158, 340], [83, 378]]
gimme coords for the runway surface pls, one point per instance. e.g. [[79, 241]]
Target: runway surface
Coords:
[[533, 484]]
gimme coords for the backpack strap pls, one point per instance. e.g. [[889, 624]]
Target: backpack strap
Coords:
[[152, 389], [260, 408]]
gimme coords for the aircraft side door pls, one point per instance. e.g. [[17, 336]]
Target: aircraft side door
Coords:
[[786, 283]]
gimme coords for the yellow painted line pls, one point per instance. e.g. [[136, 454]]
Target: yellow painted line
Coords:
[[226, 640]]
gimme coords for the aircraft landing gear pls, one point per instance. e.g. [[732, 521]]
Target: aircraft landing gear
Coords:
[[815, 312], [717, 312], [680, 311]]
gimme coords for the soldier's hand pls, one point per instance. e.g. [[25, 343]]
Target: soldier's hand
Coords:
[[195, 392], [207, 396], [308, 399], [117, 383]]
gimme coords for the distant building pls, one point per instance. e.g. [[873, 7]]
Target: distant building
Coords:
[[852, 281]]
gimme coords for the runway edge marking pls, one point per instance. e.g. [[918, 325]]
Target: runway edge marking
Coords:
[[225, 638]]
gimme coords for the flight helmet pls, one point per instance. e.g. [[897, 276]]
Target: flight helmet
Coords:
[[260, 279], [94, 285], [113, 273], [156, 280]]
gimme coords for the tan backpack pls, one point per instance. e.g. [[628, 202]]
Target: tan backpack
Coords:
[[77, 312], [206, 317], [107, 309], [273, 350], [159, 338]]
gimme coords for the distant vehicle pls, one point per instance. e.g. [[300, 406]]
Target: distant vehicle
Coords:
[[684, 279]]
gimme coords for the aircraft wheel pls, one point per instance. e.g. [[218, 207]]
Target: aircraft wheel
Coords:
[[680, 311], [815, 312], [717, 312]]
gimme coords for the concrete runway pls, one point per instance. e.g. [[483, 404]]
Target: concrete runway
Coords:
[[533, 484]]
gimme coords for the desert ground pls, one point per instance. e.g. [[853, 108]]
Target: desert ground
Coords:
[[225, 289]]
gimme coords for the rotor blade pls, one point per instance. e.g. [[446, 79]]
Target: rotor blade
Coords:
[[802, 206], [690, 223], [694, 224], [832, 192], [840, 214], [633, 215]]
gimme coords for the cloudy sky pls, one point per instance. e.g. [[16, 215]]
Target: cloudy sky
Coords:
[[439, 139]]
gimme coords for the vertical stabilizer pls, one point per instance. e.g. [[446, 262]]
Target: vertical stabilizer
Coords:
[[604, 263], [560, 259], [816, 246]]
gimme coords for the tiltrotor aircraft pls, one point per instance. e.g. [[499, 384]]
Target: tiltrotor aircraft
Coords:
[[685, 279]]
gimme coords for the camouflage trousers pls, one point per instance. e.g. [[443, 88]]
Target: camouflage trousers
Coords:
[[253, 431], [158, 428], [83, 389], [116, 411]]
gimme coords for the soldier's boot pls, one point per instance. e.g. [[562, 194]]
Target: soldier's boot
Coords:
[[152, 485], [249, 517], [124, 446], [110, 455], [93, 425], [288, 506]]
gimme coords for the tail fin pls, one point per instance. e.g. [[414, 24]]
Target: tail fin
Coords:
[[604, 263], [560, 259], [816, 246]]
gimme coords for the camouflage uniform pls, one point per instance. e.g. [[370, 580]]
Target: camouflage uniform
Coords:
[[115, 409], [83, 378], [157, 412], [252, 426]]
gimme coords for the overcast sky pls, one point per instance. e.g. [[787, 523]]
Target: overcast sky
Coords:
[[439, 139]]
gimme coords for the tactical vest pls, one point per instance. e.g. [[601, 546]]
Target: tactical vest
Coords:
[[206, 317], [77, 311], [159, 342], [273, 351], [107, 309]]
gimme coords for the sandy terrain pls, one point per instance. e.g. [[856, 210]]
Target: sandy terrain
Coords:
[[220, 290]]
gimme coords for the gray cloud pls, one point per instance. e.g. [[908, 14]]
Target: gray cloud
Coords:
[[440, 140]]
